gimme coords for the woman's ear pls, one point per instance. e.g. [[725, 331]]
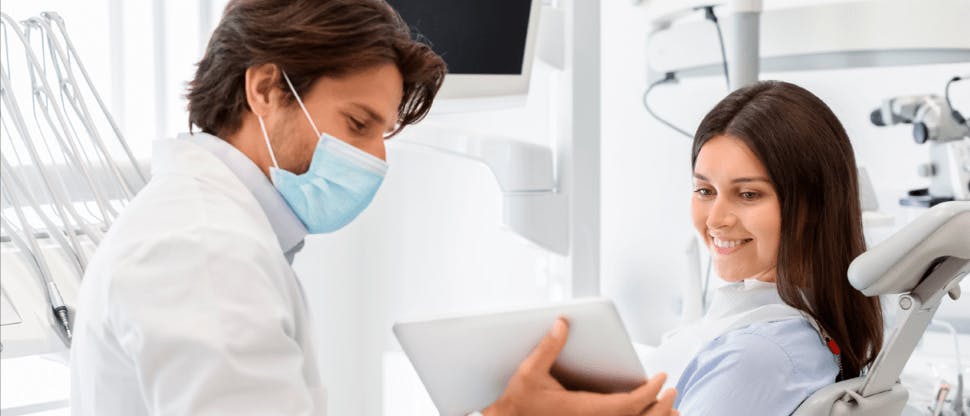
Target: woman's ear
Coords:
[[261, 93]]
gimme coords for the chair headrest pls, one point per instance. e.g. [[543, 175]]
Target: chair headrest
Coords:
[[897, 264]]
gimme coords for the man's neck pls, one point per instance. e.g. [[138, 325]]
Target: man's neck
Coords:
[[249, 140]]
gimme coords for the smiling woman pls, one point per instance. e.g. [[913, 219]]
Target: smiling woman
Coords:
[[776, 200], [787, 134]]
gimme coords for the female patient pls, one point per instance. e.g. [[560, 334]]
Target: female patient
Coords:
[[776, 201]]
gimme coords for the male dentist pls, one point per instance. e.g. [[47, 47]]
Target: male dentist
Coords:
[[190, 306]]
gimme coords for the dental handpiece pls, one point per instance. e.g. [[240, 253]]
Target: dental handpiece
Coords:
[[940, 399], [59, 308]]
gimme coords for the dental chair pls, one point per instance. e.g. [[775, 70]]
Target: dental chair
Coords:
[[923, 261]]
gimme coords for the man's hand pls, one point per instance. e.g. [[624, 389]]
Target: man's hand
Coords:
[[533, 391]]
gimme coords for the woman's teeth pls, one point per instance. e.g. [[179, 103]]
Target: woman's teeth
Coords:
[[729, 243]]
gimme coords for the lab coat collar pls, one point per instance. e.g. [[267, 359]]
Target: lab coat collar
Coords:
[[290, 231]]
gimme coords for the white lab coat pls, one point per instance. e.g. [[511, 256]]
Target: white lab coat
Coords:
[[189, 306]]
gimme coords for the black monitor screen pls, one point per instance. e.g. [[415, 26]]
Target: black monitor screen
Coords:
[[473, 36]]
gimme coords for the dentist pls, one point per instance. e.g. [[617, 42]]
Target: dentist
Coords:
[[190, 306]]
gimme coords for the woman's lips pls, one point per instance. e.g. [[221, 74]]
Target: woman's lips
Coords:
[[726, 247]]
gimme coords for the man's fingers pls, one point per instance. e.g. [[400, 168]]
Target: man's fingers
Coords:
[[664, 405], [636, 401], [545, 354], [647, 393], [642, 401]]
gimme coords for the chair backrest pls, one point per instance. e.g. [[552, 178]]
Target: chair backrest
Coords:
[[898, 264], [925, 260]]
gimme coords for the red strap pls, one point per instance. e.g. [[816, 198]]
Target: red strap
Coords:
[[833, 346]]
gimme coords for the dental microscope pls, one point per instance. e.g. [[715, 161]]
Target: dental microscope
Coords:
[[946, 132]]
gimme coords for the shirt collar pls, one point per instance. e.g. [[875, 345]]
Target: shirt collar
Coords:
[[290, 231]]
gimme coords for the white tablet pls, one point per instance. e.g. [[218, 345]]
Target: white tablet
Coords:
[[466, 362]]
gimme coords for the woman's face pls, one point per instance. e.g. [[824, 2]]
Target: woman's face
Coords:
[[736, 210]]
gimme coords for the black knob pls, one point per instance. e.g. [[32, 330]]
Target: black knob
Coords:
[[920, 132], [876, 117]]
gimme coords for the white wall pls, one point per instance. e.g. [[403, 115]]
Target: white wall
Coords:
[[430, 244]]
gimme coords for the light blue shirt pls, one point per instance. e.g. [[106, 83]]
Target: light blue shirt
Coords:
[[766, 368], [290, 232]]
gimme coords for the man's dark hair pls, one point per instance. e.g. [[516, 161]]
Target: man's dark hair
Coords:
[[308, 39]]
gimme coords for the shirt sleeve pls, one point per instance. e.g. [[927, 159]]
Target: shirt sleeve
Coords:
[[209, 332], [740, 374]]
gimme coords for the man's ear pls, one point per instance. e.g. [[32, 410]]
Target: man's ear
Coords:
[[261, 92]]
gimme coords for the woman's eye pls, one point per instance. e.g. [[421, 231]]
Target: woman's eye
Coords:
[[749, 196], [703, 192]]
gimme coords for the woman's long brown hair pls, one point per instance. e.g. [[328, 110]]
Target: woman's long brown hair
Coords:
[[810, 161]]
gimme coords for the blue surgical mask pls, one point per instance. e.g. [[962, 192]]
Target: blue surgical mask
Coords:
[[338, 186]]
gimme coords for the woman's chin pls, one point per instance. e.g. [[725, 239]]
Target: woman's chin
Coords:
[[735, 275], [731, 274], [732, 279]]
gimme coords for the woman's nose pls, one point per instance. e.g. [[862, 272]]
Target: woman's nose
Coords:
[[721, 215]]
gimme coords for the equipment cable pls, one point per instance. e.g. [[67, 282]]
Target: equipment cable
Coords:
[[953, 112], [671, 77]]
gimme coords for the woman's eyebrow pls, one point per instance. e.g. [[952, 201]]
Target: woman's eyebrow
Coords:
[[752, 179], [736, 180]]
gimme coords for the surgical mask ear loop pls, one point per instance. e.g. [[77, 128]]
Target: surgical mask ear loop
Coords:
[[262, 127], [303, 107]]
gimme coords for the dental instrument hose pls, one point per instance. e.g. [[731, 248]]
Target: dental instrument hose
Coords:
[[56, 302]]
